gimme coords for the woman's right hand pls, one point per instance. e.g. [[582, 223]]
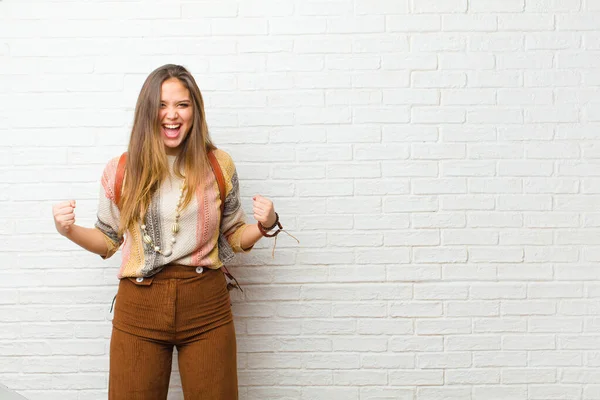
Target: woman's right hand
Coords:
[[64, 216]]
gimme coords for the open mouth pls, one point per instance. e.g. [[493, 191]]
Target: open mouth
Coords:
[[171, 130]]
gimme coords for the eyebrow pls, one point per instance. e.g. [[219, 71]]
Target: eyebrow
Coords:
[[178, 101]]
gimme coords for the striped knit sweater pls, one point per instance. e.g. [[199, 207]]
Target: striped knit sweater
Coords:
[[200, 242]]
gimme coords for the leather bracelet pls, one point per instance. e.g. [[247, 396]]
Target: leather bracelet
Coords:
[[272, 226], [265, 232]]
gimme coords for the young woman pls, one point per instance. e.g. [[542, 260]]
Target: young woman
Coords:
[[175, 237]]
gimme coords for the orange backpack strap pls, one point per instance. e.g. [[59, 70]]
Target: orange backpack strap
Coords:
[[219, 177], [119, 177], [221, 182]]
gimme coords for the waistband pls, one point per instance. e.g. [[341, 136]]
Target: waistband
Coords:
[[173, 271], [176, 271]]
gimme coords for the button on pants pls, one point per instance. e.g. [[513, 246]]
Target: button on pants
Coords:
[[181, 306]]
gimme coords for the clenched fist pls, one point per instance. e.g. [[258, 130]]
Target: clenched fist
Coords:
[[264, 212], [64, 216]]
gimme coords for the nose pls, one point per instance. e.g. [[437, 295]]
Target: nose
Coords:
[[172, 113]]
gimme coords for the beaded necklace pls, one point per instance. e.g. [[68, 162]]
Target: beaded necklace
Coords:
[[174, 228]]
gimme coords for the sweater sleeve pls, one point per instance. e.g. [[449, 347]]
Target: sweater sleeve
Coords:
[[233, 222], [108, 212]]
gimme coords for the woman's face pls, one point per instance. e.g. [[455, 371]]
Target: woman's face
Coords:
[[175, 114]]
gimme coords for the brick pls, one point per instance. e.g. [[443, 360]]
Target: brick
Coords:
[[413, 23], [491, 6], [431, 6], [469, 22]]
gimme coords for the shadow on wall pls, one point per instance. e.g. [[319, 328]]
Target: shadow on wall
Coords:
[[6, 393]]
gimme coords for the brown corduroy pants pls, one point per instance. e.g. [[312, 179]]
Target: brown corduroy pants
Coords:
[[180, 306]]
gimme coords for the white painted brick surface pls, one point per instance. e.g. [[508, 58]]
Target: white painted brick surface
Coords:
[[438, 161]]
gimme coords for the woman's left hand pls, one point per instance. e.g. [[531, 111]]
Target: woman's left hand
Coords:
[[264, 212]]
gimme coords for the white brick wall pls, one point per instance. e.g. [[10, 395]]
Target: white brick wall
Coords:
[[438, 160]]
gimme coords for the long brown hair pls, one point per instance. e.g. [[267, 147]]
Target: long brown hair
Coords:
[[147, 164]]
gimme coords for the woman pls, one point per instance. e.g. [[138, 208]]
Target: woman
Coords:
[[172, 291]]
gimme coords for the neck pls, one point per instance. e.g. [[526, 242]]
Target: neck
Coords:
[[173, 151]]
